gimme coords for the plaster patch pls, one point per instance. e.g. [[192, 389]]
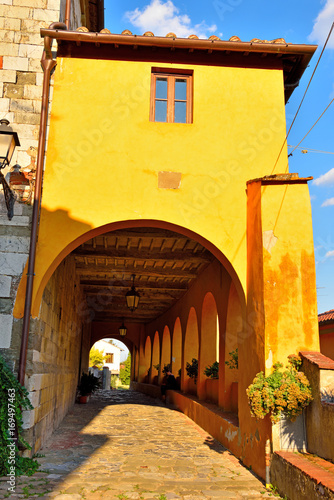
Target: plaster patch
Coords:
[[169, 180], [269, 240], [269, 360], [230, 435]]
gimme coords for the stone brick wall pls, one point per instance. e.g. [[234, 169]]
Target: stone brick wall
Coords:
[[57, 338], [21, 79], [14, 248]]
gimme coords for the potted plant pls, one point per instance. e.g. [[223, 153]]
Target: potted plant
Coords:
[[155, 377], [88, 384], [192, 372], [212, 371], [233, 364], [192, 369], [285, 392]]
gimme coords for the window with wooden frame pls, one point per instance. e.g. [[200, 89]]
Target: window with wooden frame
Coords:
[[109, 357], [171, 96]]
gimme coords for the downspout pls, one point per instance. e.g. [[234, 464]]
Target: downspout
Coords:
[[47, 64], [67, 13]]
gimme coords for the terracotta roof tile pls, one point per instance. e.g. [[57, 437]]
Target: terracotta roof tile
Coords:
[[316, 358], [326, 316]]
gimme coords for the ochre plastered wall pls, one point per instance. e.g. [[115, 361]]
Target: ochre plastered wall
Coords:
[[59, 338], [104, 156], [327, 340]]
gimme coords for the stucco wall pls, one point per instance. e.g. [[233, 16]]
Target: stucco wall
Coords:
[[244, 131], [320, 414]]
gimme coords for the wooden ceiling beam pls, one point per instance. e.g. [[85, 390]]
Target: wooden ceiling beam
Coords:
[[177, 287], [135, 254], [149, 272]]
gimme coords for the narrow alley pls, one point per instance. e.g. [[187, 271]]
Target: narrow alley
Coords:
[[126, 445]]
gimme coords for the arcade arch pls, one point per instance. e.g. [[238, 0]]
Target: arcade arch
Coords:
[[190, 351]]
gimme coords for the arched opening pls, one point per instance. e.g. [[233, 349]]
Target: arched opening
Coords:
[[148, 355], [177, 351], [173, 273], [165, 351], [189, 384], [155, 359], [234, 327], [207, 387]]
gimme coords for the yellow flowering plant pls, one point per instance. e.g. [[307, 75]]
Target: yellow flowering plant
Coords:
[[286, 392]]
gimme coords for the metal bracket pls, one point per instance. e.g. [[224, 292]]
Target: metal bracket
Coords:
[[9, 196]]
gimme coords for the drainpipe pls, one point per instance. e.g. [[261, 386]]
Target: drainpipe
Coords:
[[67, 13], [47, 64]]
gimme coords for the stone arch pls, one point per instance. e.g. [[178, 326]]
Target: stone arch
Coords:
[[209, 341], [165, 350], [191, 345], [234, 327], [49, 263], [147, 358], [177, 348], [136, 364], [155, 358]]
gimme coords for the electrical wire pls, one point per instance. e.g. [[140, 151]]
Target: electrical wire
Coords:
[[301, 102], [311, 127], [310, 150]]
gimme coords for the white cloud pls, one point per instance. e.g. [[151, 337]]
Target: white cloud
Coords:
[[327, 178], [328, 203], [164, 17], [322, 25], [329, 254]]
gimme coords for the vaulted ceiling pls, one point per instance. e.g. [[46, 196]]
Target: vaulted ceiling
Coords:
[[165, 265]]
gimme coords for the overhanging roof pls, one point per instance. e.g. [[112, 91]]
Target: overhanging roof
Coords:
[[293, 59]]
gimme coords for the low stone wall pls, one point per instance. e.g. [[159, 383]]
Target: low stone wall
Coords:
[[151, 390], [295, 481], [320, 413]]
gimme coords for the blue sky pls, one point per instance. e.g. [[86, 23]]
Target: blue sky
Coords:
[[299, 21]]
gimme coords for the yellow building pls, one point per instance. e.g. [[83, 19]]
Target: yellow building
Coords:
[[167, 170]]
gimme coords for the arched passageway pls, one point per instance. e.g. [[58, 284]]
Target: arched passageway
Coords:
[[148, 357], [177, 350], [165, 350], [156, 359], [188, 384], [180, 283], [209, 345]]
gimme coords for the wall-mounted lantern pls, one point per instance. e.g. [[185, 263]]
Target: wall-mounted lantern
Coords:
[[8, 142]]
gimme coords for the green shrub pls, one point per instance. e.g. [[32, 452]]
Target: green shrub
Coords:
[[125, 373], [13, 399], [233, 362], [88, 384], [192, 369], [166, 369], [212, 371], [113, 381]]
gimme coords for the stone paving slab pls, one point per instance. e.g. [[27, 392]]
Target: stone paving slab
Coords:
[[124, 445]]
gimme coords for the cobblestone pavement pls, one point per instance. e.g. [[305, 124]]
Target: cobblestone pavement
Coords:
[[125, 445]]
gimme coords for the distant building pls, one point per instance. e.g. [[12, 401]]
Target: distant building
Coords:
[[112, 353], [326, 333]]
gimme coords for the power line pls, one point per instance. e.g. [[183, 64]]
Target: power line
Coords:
[[310, 150], [312, 126], [301, 102]]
